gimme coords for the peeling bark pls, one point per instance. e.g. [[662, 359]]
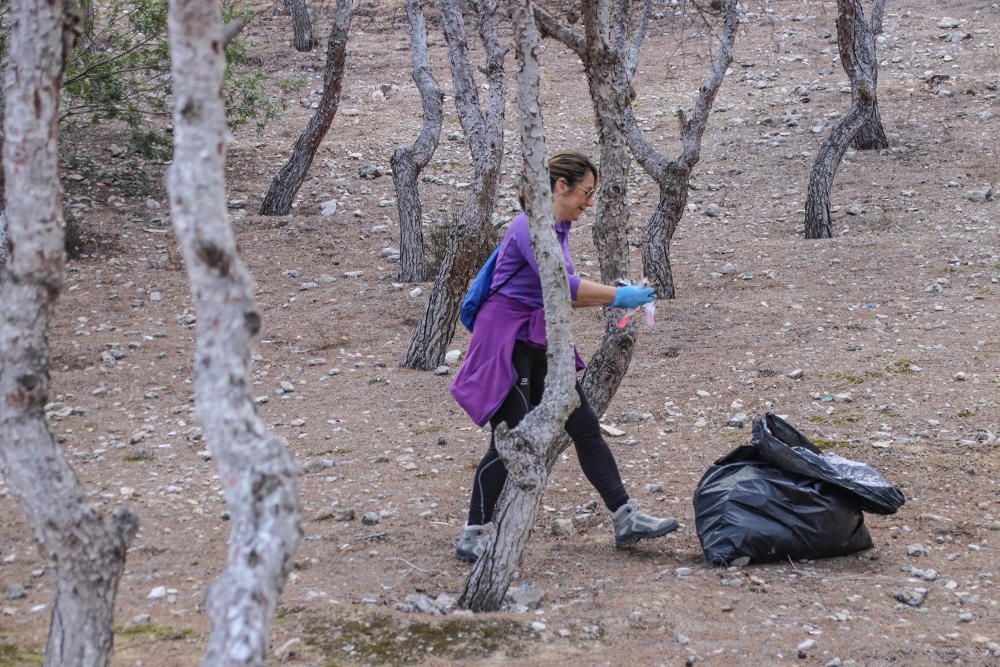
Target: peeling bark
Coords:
[[302, 38], [484, 133], [673, 176], [609, 93], [286, 183], [84, 549], [408, 162], [857, 52], [525, 449], [257, 473], [860, 62]]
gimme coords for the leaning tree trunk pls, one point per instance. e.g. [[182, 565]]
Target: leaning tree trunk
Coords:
[[673, 176], [301, 25], [525, 450], [84, 550], [857, 51], [660, 229], [408, 162], [818, 223], [871, 135], [286, 183], [257, 473], [484, 133]]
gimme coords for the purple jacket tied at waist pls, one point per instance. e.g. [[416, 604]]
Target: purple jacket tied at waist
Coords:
[[512, 313]]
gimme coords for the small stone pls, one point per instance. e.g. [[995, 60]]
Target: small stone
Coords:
[[980, 195], [959, 377], [737, 421], [452, 357], [683, 640], [526, 596], [14, 593], [727, 268], [683, 572], [370, 518], [349, 112], [538, 626], [948, 23], [152, 204], [286, 387], [415, 292], [562, 527], [157, 593], [141, 619], [965, 617], [289, 650], [804, 648], [913, 598], [318, 465], [442, 370], [419, 602], [713, 211], [329, 207], [795, 374], [917, 550], [318, 361], [345, 515], [836, 662], [611, 430], [116, 150], [369, 172]]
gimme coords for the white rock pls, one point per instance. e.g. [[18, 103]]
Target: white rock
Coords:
[[806, 646], [561, 527], [328, 207], [947, 22], [452, 357], [416, 292], [157, 593]]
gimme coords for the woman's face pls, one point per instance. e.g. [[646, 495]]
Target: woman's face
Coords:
[[570, 201]]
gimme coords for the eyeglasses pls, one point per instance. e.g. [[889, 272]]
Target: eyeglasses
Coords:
[[589, 192]]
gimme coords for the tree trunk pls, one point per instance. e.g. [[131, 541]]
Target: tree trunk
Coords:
[[257, 473], [818, 224], [525, 449], [659, 231], [673, 176], [484, 132], [857, 53], [408, 162], [278, 200], [609, 96], [856, 43], [301, 25], [85, 550]]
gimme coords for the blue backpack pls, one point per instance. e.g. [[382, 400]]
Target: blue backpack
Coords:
[[479, 291]]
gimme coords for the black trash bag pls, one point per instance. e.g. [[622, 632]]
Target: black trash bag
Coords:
[[781, 498]]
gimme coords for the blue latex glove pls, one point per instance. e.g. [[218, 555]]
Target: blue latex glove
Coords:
[[632, 296]]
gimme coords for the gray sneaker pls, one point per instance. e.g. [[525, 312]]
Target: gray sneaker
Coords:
[[631, 525], [472, 543]]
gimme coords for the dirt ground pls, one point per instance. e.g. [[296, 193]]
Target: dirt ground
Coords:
[[893, 324]]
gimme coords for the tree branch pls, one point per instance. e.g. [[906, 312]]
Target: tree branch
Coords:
[[550, 26]]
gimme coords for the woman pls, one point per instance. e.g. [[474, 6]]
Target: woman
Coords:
[[504, 372]]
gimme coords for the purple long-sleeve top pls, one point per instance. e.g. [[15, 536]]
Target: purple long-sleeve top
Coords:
[[513, 312]]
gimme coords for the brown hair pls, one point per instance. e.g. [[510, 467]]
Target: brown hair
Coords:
[[571, 166]]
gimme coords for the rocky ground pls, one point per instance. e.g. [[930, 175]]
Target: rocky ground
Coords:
[[881, 344]]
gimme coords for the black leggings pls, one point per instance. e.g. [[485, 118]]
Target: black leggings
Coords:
[[596, 459]]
